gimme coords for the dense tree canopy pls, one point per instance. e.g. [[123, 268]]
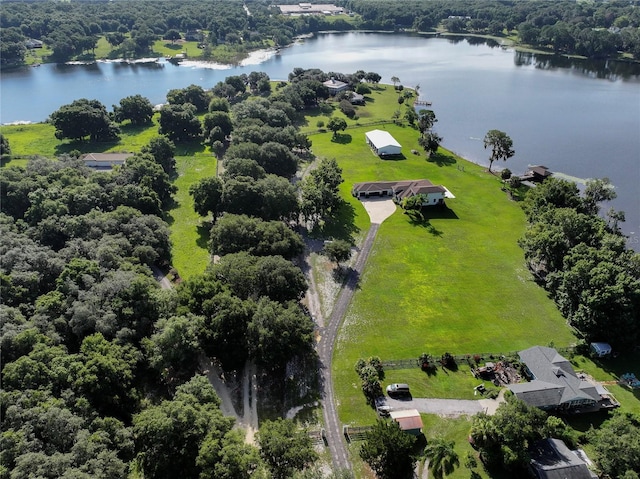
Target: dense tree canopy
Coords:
[[583, 260], [389, 451], [617, 445], [235, 233], [84, 119], [285, 448], [179, 122], [136, 109]]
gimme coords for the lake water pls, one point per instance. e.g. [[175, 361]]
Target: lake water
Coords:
[[579, 118]]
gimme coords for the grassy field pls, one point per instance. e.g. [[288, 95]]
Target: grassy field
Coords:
[[456, 282], [189, 236]]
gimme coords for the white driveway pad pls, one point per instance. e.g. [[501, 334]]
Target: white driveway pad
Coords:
[[379, 209]]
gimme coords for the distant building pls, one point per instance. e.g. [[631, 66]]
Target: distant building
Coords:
[[105, 161], [409, 421], [311, 9], [554, 384], [335, 86], [536, 174], [552, 459], [357, 99], [32, 43], [383, 143]]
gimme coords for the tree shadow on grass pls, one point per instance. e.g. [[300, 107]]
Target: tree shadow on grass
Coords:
[[440, 159], [189, 148], [417, 219], [204, 233], [341, 224], [131, 129], [442, 212], [430, 371], [83, 147], [583, 422], [342, 138]]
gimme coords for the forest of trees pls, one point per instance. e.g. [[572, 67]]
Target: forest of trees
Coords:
[[592, 29], [100, 365], [582, 259]]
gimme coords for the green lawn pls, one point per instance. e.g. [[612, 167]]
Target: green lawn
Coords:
[[188, 235], [457, 283], [380, 105]]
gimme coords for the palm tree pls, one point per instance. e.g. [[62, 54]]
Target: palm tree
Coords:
[[443, 459], [483, 432]]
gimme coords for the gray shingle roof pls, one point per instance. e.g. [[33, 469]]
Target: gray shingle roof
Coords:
[[554, 380], [552, 459]]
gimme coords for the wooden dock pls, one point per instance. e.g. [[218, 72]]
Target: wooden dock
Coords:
[[422, 103]]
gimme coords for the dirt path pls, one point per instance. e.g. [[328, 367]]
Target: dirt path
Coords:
[[161, 278], [215, 376], [250, 401], [249, 419], [378, 211], [325, 346]]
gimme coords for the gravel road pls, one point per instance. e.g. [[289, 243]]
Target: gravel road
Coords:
[[335, 438]]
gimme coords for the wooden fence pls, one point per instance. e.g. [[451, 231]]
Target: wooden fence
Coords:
[[461, 358], [356, 433]]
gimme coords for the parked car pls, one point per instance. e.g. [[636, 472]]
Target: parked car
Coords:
[[398, 390]]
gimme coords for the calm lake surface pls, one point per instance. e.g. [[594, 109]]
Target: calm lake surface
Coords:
[[579, 118]]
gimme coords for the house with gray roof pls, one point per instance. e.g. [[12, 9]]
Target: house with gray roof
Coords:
[[552, 459], [554, 385]]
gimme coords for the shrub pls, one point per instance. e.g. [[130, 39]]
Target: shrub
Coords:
[[448, 361], [347, 108], [505, 174]]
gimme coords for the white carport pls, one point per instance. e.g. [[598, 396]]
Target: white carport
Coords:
[[383, 143]]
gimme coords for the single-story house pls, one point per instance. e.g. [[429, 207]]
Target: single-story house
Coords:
[[383, 143], [409, 421], [431, 194], [105, 161], [310, 9], [335, 86], [554, 384], [552, 459], [600, 349]]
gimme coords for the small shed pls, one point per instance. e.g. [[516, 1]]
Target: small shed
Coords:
[[409, 421], [383, 143], [600, 349]]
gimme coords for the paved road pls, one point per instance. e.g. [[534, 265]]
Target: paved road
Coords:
[[333, 429]]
